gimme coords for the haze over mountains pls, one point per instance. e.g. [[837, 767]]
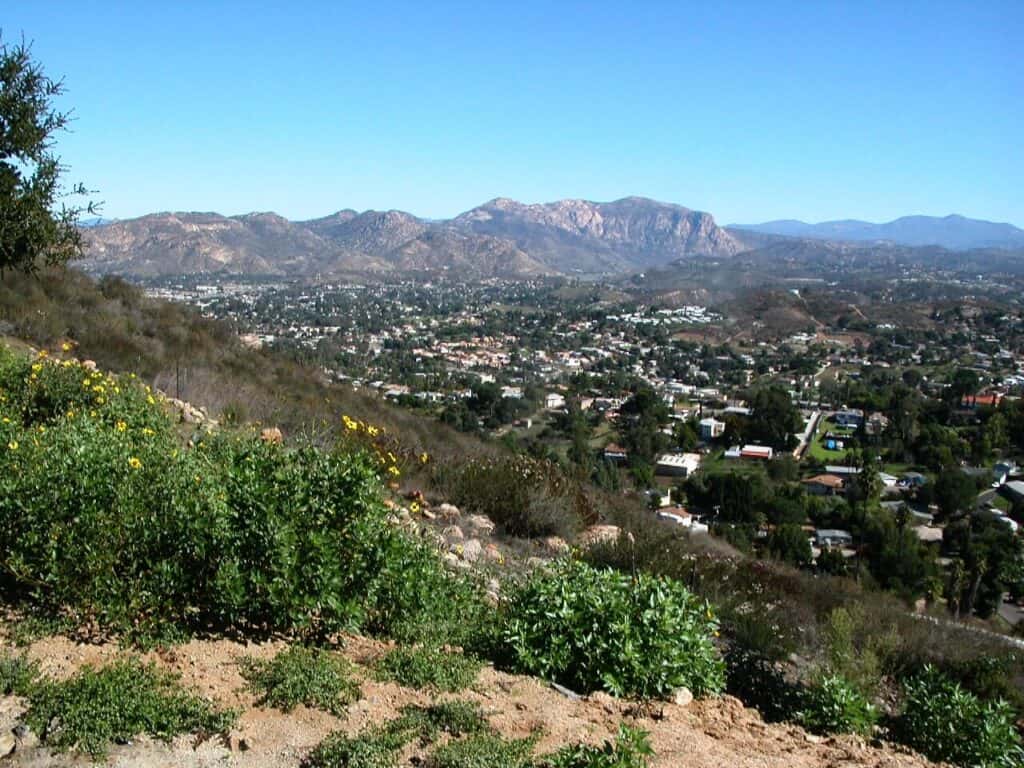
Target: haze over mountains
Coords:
[[953, 232], [501, 238]]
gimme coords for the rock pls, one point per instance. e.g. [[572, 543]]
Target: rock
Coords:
[[812, 738], [556, 545], [472, 550], [492, 599], [682, 697], [599, 534], [448, 512], [453, 532], [272, 435], [426, 514], [481, 525], [493, 554], [89, 365], [7, 744]]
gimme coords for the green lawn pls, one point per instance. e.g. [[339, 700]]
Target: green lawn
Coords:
[[818, 452]]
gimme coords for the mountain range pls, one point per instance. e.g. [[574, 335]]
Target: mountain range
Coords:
[[501, 238], [954, 232]]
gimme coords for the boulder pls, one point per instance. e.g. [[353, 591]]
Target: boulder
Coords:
[[7, 744], [448, 512], [493, 554], [556, 545], [682, 696], [453, 533], [480, 525], [472, 550]]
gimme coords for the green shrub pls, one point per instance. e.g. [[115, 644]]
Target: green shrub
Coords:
[[945, 722], [833, 705], [485, 750], [630, 749], [298, 675], [761, 683], [17, 675], [370, 749], [429, 667], [95, 708], [592, 629], [378, 747]]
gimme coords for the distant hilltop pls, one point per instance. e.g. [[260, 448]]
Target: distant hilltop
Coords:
[[501, 238], [954, 232]]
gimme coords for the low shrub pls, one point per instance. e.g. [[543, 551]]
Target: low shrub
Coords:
[[485, 750], [526, 496], [429, 667], [370, 749], [761, 683], [593, 629], [630, 749], [833, 705], [947, 723], [98, 707], [313, 677], [17, 675]]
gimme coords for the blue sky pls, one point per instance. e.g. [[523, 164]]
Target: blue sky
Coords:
[[749, 110]]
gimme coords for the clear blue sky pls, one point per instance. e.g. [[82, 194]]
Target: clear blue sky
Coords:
[[749, 110]]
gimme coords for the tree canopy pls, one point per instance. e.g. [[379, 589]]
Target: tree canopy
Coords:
[[36, 226]]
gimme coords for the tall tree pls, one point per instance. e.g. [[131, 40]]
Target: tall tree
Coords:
[[36, 226]]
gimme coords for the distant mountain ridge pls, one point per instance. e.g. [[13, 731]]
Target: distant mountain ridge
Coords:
[[954, 232], [501, 238]]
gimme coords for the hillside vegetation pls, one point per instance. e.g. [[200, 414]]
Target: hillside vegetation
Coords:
[[118, 521]]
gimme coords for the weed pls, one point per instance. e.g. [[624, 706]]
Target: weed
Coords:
[[630, 749], [371, 749], [96, 708], [834, 705], [485, 750], [17, 675], [298, 675], [429, 667]]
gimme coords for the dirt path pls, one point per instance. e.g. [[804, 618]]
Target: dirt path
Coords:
[[715, 733]]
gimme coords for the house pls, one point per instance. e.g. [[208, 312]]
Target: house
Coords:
[[756, 452], [831, 537], [913, 480], [616, 453], [981, 400], [824, 485], [554, 401], [841, 470], [710, 428], [1013, 491], [677, 464], [847, 418]]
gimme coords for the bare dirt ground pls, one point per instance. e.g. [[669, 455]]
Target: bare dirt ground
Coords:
[[713, 733]]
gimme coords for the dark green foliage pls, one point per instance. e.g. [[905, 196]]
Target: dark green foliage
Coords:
[[485, 750], [310, 676], [31, 228], [455, 718], [116, 703], [760, 682], [593, 629], [630, 749], [790, 544], [833, 705], [429, 667], [945, 722], [17, 675]]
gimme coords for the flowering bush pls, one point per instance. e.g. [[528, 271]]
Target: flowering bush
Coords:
[[105, 511]]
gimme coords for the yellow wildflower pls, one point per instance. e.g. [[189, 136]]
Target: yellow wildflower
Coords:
[[394, 471], [373, 431], [43, 353], [120, 426], [13, 445], [100, 400], [134, 463], [414, 507], [37, 367], [66, 346], [424, 458], [147, 431], [150, 400]]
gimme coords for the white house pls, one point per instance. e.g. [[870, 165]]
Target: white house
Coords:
[[554, 400], [710, 428]]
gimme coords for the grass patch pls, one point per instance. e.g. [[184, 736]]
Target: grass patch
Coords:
[[99, 707], [630, 749], [427, 667], [298, 675]]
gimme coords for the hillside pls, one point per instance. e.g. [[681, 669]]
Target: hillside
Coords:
[[953, 232], [498, 239]]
